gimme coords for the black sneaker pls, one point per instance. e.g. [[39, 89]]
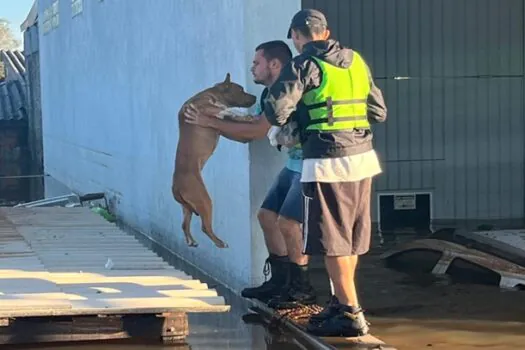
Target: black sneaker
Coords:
[[297, 293], [331, 309], [279, 267], [348, 322]]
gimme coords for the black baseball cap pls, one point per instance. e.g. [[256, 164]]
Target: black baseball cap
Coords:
[[307, 18]]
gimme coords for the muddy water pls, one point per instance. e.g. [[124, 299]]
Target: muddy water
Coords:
[[231, 331], [427, 312], [407, 334], [407, 311]]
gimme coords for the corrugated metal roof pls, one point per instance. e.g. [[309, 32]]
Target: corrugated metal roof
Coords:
[[12, 101], [15, 64]]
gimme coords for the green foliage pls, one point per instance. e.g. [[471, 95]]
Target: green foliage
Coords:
[[2, 71], [7, 38]]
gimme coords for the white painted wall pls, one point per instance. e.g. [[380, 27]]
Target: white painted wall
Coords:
[[113, 78]]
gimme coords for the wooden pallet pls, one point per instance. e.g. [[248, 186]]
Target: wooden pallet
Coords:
[[54, 278]]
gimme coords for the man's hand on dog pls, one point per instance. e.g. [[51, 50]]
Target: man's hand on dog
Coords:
[[193, 116], [203, 118]]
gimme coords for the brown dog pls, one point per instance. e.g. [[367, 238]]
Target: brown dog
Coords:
[[196, 145]]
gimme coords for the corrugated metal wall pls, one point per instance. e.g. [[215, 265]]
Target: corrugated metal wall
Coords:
[[455, 123], [14, 155]]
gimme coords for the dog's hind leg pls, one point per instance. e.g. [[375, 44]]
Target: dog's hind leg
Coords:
[[204, 208], [207, 228], [186, 223], [187, 213]]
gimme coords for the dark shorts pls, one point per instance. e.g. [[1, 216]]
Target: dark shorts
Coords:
[[337, 218], [285, 197]]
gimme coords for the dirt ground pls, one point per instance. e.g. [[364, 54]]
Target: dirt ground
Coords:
[[421, 312]]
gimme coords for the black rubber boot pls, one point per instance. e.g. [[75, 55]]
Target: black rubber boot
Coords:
[[299, 291], [279, 267], [347, 322]]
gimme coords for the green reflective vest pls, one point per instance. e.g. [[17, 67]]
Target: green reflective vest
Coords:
[[339, 103]]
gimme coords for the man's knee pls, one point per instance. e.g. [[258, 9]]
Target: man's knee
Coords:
[[266, 217], [289, 226]]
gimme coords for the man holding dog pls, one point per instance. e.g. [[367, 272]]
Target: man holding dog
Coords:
[[281, 212], [339, 161]]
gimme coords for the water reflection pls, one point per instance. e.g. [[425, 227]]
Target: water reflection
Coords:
[[239, 329], [410, 312]]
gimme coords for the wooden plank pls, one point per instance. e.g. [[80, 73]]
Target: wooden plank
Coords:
[[10, 302], [146, 305], [9, 265], [94, 294], [113, 294], [158, 281], [125, 286], [10, 286], [103, 308], [141, 280], [56, 283], [29, 289], [170, 327], [44, 297], [367, 340]]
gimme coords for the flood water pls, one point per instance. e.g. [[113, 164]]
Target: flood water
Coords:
[[234, 330], [408, 312]]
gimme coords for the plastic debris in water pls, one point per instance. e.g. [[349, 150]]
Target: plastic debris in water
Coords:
[[109, 264], [104, 213]]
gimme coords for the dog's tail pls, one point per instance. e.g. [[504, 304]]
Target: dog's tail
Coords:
[[179, 198]]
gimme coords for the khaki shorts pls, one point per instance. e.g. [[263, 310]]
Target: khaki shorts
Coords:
[[337, 218]]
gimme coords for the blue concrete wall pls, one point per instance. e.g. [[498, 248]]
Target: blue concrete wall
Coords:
[[113, 79]]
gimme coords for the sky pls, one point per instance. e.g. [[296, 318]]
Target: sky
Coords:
[[15, 11]]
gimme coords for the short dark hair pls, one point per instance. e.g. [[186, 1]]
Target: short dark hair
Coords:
[[276, 49], [309, 31]]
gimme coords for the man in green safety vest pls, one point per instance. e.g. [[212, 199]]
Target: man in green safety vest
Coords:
[[335, 85]]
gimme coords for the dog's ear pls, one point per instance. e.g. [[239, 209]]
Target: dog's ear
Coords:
[[227, 79]]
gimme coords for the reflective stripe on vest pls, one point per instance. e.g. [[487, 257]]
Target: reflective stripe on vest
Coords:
[[339, 103]]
